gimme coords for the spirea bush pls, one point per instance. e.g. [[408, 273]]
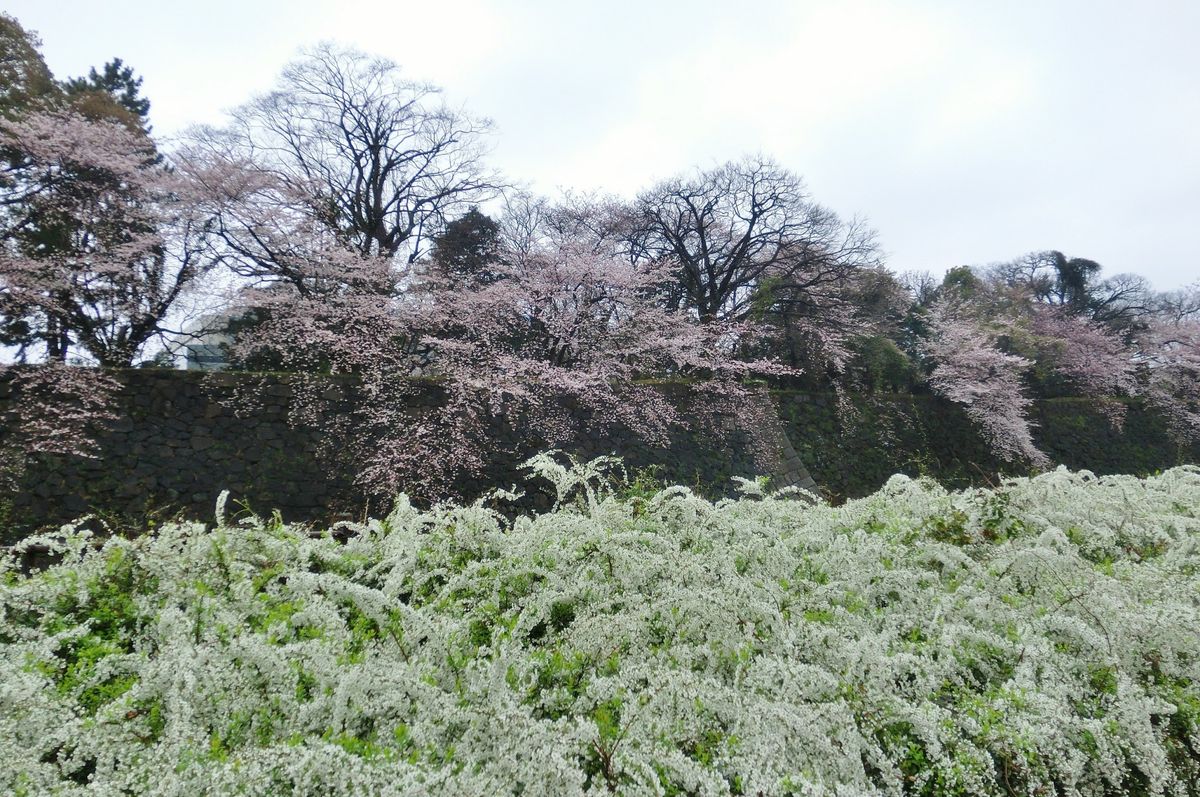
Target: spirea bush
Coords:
[[1042, 638]]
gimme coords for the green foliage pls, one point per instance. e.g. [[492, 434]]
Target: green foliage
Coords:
[[961, 280], [117, 80], [852, 454], [1036, 638], [878, 365], [105, 608], [468, 249], [25, 80]]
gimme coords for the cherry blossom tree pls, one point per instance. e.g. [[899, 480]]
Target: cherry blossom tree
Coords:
[[96, 248], [53, 410], [322, 195], [970, 369], [1089, 356], [98, 241], [1169, 353], [985, 336], [559, 329]]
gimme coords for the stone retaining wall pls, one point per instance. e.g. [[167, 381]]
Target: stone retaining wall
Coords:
[[181, 439]]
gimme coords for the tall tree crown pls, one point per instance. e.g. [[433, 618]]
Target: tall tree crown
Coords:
[[116, 83], [25, 80], [347, 145]]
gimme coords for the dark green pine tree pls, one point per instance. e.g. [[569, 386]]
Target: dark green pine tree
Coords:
[[468, 249], [118, 82]]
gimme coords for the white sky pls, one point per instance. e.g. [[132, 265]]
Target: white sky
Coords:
[[965, 132]]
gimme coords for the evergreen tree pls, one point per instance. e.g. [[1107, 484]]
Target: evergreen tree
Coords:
[[468, 249], [116, 83], [25, 80]]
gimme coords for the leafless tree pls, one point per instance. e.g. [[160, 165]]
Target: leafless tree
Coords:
[[345, 146], [597, 223], [729, 231], [1121, 302], [1179, 305], [922, 286], [1050, 277]]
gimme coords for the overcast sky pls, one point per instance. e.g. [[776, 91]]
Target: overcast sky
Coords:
[[965, 132]]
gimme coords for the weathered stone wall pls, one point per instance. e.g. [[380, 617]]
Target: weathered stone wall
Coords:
[[180, 440], [852, 454], [184, 436]]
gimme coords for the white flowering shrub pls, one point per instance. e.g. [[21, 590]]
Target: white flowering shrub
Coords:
[[1042, 638]]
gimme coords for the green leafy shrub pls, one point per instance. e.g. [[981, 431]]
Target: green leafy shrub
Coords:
[[1039, 638]]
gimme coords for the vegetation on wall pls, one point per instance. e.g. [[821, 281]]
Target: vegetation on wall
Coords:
[[349, 221], [179, 438], [852, 453]]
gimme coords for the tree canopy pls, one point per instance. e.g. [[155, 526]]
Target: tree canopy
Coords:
[[351, 218]]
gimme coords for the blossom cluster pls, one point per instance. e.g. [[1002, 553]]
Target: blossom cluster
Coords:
[[975, 346], [1035, 638]]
